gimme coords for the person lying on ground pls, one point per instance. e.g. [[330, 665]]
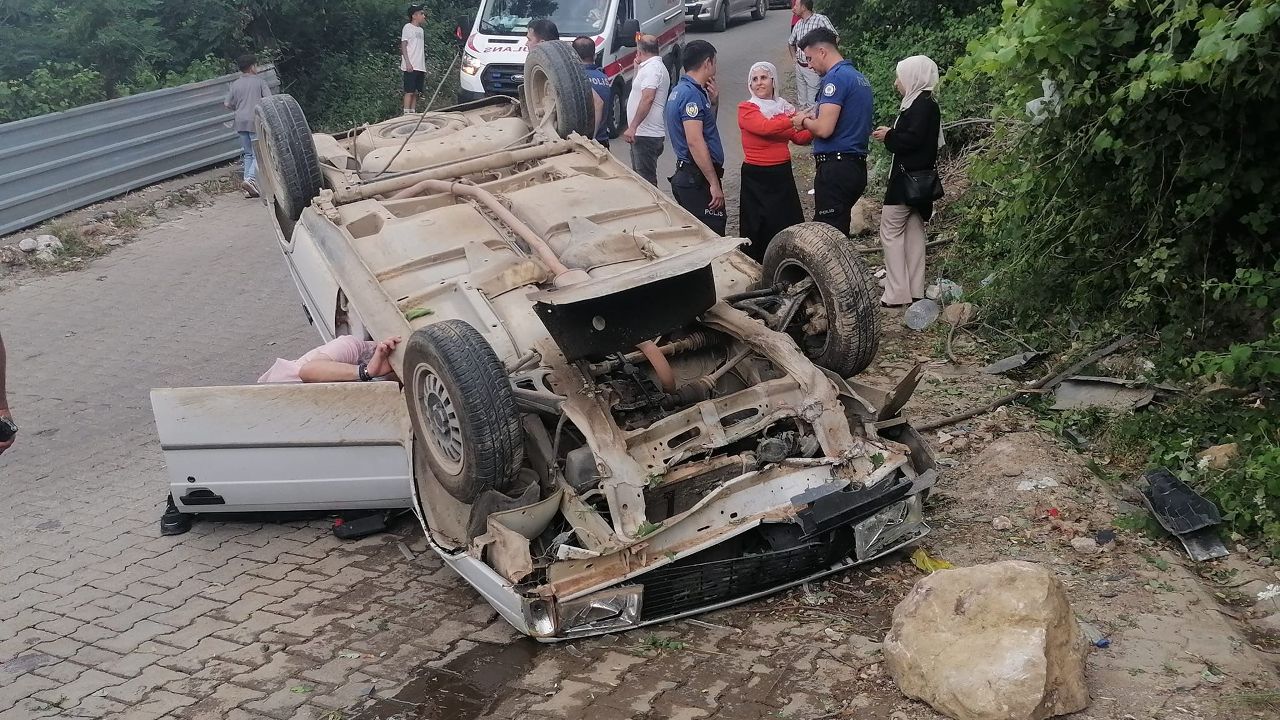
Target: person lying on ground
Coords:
[[342, 359]]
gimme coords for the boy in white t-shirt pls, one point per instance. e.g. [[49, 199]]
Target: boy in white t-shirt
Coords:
[[646, 129], [413, 57]]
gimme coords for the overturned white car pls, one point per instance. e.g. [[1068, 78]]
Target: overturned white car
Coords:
[[610, 416]]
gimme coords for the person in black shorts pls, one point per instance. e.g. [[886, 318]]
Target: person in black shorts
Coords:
[[413, 57]]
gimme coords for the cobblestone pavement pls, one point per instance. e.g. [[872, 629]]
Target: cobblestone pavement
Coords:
[[100, 616]]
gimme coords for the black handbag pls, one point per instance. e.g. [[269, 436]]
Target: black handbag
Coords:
[[921, 187]]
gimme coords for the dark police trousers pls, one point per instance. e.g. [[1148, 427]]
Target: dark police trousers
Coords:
[[841, 179], [691, 190]]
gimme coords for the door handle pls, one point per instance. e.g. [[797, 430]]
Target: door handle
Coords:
[[673, 14], [202, 496]]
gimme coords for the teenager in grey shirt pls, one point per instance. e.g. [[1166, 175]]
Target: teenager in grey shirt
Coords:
[[243, 96]]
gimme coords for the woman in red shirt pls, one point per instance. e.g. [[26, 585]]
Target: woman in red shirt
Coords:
[[769, 202]]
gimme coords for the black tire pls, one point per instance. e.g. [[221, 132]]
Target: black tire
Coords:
[[287, 155], [554, 82], [760, 10], [464, 417], [617, 119], [721, 23], [846, 295]]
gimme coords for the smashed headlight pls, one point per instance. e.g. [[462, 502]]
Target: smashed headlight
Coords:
[[605, 611], [889, 527]]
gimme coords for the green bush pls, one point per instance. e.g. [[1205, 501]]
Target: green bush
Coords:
[[876, 34], [1144, 198], [51, 88]]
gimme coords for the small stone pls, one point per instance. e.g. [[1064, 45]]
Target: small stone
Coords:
[[9, 255], [1219, 457], [960, 313], [161, 204], [1085, 546], [27, 244], [46, 255], [1000, 522], [1265, 561], [960, 444], [48, 242], [113, 242]]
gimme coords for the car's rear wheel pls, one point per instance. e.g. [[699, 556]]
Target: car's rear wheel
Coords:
[[287, 155], [556, 90], [762, 7], [838, 326], [464, 417]]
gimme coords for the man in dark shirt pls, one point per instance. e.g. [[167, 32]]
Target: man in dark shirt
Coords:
[[585, 47], [841, 127], [691, 125]]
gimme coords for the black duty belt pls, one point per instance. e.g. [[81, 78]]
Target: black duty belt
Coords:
[[837, 156], [682, 164]]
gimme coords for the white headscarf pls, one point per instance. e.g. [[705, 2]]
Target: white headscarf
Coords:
[[917, 74], [775, 105]]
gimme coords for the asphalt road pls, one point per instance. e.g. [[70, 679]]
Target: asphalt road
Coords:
[[743, 44]]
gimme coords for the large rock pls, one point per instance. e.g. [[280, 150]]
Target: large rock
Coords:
[[991, 642]]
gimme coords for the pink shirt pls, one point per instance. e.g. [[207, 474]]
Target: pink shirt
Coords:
[[343, 349]]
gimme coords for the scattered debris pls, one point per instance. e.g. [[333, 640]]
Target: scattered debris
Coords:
[[1043, 483], [1085, 545], [415, 313], [1094, 636], [1018, 615], [1047, 382], [1219, 457], [1000, 522], [921, 314], [1108, 393], [1184, 513], [1013, 362], [944, 291], [920, 558]]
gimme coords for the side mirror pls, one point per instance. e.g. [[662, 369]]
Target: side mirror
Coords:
[[627, 33]]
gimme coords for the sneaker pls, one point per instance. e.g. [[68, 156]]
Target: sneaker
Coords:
[[250, 189]]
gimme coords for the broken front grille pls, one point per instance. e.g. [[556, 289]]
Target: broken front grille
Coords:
[[681, 588]]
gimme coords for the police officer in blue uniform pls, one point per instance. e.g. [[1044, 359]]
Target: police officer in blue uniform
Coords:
[[691, 124], [585, 47], [841, 129]]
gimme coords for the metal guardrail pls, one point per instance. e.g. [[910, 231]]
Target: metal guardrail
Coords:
[[59, 162]]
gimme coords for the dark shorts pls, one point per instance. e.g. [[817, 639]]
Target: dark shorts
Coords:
[[692, 191], [414, 80], [837, 186]]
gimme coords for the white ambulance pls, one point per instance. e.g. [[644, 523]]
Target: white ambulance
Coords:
[[495, 48]]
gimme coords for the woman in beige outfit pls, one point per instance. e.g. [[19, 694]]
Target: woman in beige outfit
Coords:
[[914, 140]]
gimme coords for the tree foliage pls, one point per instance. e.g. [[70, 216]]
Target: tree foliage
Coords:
[[336, 56]]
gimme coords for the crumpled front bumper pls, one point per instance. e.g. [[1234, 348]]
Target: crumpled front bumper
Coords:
[[835, 530]]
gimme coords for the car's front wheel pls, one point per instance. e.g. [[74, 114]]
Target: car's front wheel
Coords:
[[464, 417], [838, 326], [762, 7], [556, 90]]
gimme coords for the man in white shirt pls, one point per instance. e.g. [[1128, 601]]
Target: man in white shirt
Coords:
[[413, 58], [646, 105], [807, 79]]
